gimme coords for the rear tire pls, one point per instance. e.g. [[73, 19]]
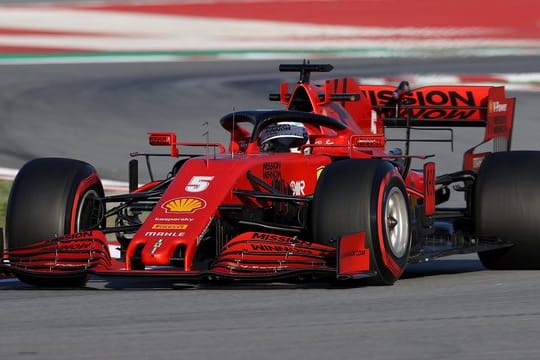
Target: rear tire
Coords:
[[507, 204], [52, 197], [365, 196]]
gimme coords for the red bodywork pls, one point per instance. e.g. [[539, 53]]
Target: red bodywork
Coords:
[[344, 119]]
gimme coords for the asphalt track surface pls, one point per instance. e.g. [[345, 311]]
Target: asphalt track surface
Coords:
[[447, 309]]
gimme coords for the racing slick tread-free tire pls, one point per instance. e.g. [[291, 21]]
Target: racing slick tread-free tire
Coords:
[[507, 204], [51, 197], [365, 195]]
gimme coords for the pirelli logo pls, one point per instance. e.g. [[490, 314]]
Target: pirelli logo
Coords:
[[169, 226]]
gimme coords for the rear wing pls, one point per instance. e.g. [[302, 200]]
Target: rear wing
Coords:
[[439, 105], [447, 106], [369, 109]]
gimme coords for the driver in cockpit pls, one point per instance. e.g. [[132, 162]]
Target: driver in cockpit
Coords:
[[286, 136]]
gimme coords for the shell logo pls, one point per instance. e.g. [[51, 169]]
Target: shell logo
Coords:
[[184, 205]]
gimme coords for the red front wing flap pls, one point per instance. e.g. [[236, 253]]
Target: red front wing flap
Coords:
[[263, 253], [63, 256]]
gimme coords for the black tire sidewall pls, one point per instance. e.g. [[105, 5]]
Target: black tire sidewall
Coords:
[[506, 204], [349, 198], [45, 195]]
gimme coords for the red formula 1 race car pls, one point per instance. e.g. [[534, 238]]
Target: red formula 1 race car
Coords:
[[308, 192]]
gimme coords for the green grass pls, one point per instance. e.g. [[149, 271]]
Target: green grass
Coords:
[[5, 186]]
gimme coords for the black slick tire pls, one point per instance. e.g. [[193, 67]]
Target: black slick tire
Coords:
[[51, 197], [368, 196], [506, 205]]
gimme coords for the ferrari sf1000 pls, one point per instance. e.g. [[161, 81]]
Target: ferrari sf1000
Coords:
[[309, 192]]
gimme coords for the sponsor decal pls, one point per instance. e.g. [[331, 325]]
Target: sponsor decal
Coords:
[[360, 252], [297, 187], [495, 106], [164, 233], [319, 171], [156, 246], [271, 170], [290, 241], [176, 219], [427, 99], [279, 248], [65, 242], [75, 236], [353, 257], [325, 142], [76, 245], [271, 237], [199, 183], [287, 244], [373, 122], [184, 205], [169, 226], [78, 241], [477, 161], [160, 140]]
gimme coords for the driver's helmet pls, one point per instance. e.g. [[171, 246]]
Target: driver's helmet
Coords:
[[283, 137]]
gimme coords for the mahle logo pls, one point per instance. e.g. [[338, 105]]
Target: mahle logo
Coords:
[[184, 205]]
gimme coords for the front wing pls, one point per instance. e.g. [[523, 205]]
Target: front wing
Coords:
[[249, 257]]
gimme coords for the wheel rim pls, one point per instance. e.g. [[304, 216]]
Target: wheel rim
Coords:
[[397, 222], [88, 215]]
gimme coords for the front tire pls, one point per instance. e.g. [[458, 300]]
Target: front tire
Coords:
[[365, 196], [52, 197], [507, 204]]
